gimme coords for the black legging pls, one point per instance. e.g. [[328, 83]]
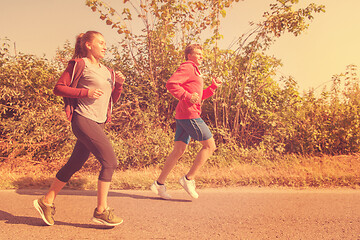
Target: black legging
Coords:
[[91, 139]]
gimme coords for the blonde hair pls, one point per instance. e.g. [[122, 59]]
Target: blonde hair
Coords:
[[190, 49], [81, 39]]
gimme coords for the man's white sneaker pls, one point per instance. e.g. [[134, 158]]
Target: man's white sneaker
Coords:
[[189, 186], [160, 190]]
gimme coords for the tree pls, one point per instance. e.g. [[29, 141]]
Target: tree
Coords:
[[151, 56], [240, 109], [250, 95]]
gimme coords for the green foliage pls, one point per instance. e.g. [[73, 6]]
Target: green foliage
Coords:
[[138, 139], [333, 119], [149, 58], [248, 103], [31, 115], [250, 112]]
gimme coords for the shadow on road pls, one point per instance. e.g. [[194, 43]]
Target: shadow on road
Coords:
[[33, 221], [40, 192]]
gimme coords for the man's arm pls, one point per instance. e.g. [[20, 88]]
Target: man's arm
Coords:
[[208, 92], [174, 83]]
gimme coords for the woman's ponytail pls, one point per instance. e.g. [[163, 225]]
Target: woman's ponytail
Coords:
[[81, 39], [78, 53]]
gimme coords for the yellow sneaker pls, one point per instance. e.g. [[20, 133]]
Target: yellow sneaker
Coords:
[[107, 217], [46, 212]]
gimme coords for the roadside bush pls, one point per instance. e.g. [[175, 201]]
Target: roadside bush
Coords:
[[31, 115], [34, 128]]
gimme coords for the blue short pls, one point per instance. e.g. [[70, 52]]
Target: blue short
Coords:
[[191, 128]]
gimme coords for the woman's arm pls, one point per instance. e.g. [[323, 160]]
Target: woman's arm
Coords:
[[119, 81], [62, 87]]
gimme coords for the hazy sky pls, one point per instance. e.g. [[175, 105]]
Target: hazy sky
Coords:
[[326, 48]]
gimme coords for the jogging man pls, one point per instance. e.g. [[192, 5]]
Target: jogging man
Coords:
[[186, 84]]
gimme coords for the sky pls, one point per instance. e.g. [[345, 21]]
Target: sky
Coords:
[[329, 45]]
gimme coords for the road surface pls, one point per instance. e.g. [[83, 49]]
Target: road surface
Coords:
[[234, 213]]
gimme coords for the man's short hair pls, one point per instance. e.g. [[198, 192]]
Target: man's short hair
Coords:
[[190, 49]]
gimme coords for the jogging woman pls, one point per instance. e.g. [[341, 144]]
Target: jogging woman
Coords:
[[186, 84], [89, 90]]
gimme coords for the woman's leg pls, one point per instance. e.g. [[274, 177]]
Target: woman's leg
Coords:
[[103, 190], [78, 157], [55, 188], [105, 154], [92, 135]]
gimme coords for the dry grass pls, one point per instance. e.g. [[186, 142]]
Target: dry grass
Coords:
[[289, 171], [340, 171]]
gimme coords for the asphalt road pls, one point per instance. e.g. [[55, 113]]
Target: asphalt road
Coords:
[[236, 213]]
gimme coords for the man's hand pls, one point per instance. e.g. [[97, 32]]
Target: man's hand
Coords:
[[194, 98], [217, 81]]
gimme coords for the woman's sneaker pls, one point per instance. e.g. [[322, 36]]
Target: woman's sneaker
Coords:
[[160, 190], [46, 212], [189, 186], [107, 217]]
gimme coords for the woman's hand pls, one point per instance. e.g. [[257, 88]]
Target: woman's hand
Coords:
[[119, 77], [95, 93]]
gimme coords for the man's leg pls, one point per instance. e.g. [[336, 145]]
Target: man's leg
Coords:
[[171, 160], [206, 151], [187, 181]]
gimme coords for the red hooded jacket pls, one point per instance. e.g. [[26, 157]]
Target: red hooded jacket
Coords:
[[185, 81]]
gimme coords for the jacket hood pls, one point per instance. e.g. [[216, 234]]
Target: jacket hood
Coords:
[[76, 60], [189, 62]]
